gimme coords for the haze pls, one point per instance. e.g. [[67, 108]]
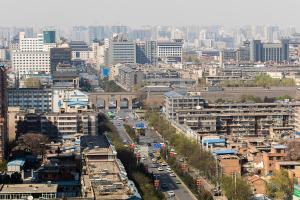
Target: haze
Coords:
[[148, 12]]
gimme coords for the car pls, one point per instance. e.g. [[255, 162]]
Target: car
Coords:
[[156, 176], [171, 193], [160, 169], [164, 164], [125, 141], [120, 118], [164, 186], [154, 166], [169, 171], [172, 174], [154, 160], [168, 168], [178, 182]]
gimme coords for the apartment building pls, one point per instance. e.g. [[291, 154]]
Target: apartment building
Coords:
[[129, 76], [175, 101], [38, 98], [3, 111], [103, 174], [275, 119], [56, 124]]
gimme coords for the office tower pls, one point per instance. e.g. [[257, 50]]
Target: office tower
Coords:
[[49, 36], [3, 111], [96, 33], [31, 56], [80, 33], [170, 51], [121, 50], [60, 56], [119, 29], [264, 52], [146, 52]]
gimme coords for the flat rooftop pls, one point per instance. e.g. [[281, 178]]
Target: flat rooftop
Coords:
[[28, 188]]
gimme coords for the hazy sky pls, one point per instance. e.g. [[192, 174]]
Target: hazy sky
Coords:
[[149, 12]]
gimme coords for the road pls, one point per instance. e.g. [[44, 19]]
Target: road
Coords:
[[181, 191]]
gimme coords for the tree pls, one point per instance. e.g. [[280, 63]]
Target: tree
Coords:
[[294, 150], [236, 188], [35, 142], [280, 186]]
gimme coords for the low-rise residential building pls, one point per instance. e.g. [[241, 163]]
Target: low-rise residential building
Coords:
[[277, 153], [103, 175], [28, 191], [129, 76]]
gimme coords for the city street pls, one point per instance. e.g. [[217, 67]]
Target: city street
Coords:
[[170, 183]]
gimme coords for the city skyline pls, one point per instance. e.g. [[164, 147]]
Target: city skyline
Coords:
[[91, 12]]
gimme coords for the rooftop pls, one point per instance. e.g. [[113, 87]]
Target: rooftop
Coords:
[[28, 188]]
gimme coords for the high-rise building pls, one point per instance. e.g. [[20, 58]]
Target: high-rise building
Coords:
[[31, 56], [146, 52], [49, 36], [264, 52], [60, 56], [3, 111], [121, 50]]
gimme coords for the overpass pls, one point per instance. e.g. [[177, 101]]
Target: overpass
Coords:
[[98, 98]]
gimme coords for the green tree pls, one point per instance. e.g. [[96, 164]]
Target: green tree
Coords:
[[280, 186], [236, 188]]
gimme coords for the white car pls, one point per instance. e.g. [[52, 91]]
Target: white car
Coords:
[[171, 194], [169, 168], [172, 175], [164, 164], [160, 169]]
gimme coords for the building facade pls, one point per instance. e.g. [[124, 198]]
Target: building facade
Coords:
[[31, 56], [121, 50], [170, 52], [146, 52], [129, 76], [264, 52], [38, 98], [60, 56], [3, 112]]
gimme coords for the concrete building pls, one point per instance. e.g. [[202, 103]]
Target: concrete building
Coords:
[[103, 175], [56, 124], [170, 52], [30, 57], [60, 56], [28, 191], [80, 51], [121, 50], [175, 101], [273, 119], [66, 79], [264, 52], [146, 52], [38, 98], [129, 76], [3, 112]]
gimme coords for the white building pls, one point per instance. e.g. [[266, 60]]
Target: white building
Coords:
[[121, 50], [31, 56], [170, 51]]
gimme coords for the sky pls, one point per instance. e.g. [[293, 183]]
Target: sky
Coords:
[[137, 13]]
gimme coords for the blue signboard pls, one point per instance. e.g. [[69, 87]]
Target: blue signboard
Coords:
[[140, 125], [157, 146], [105, 72]]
